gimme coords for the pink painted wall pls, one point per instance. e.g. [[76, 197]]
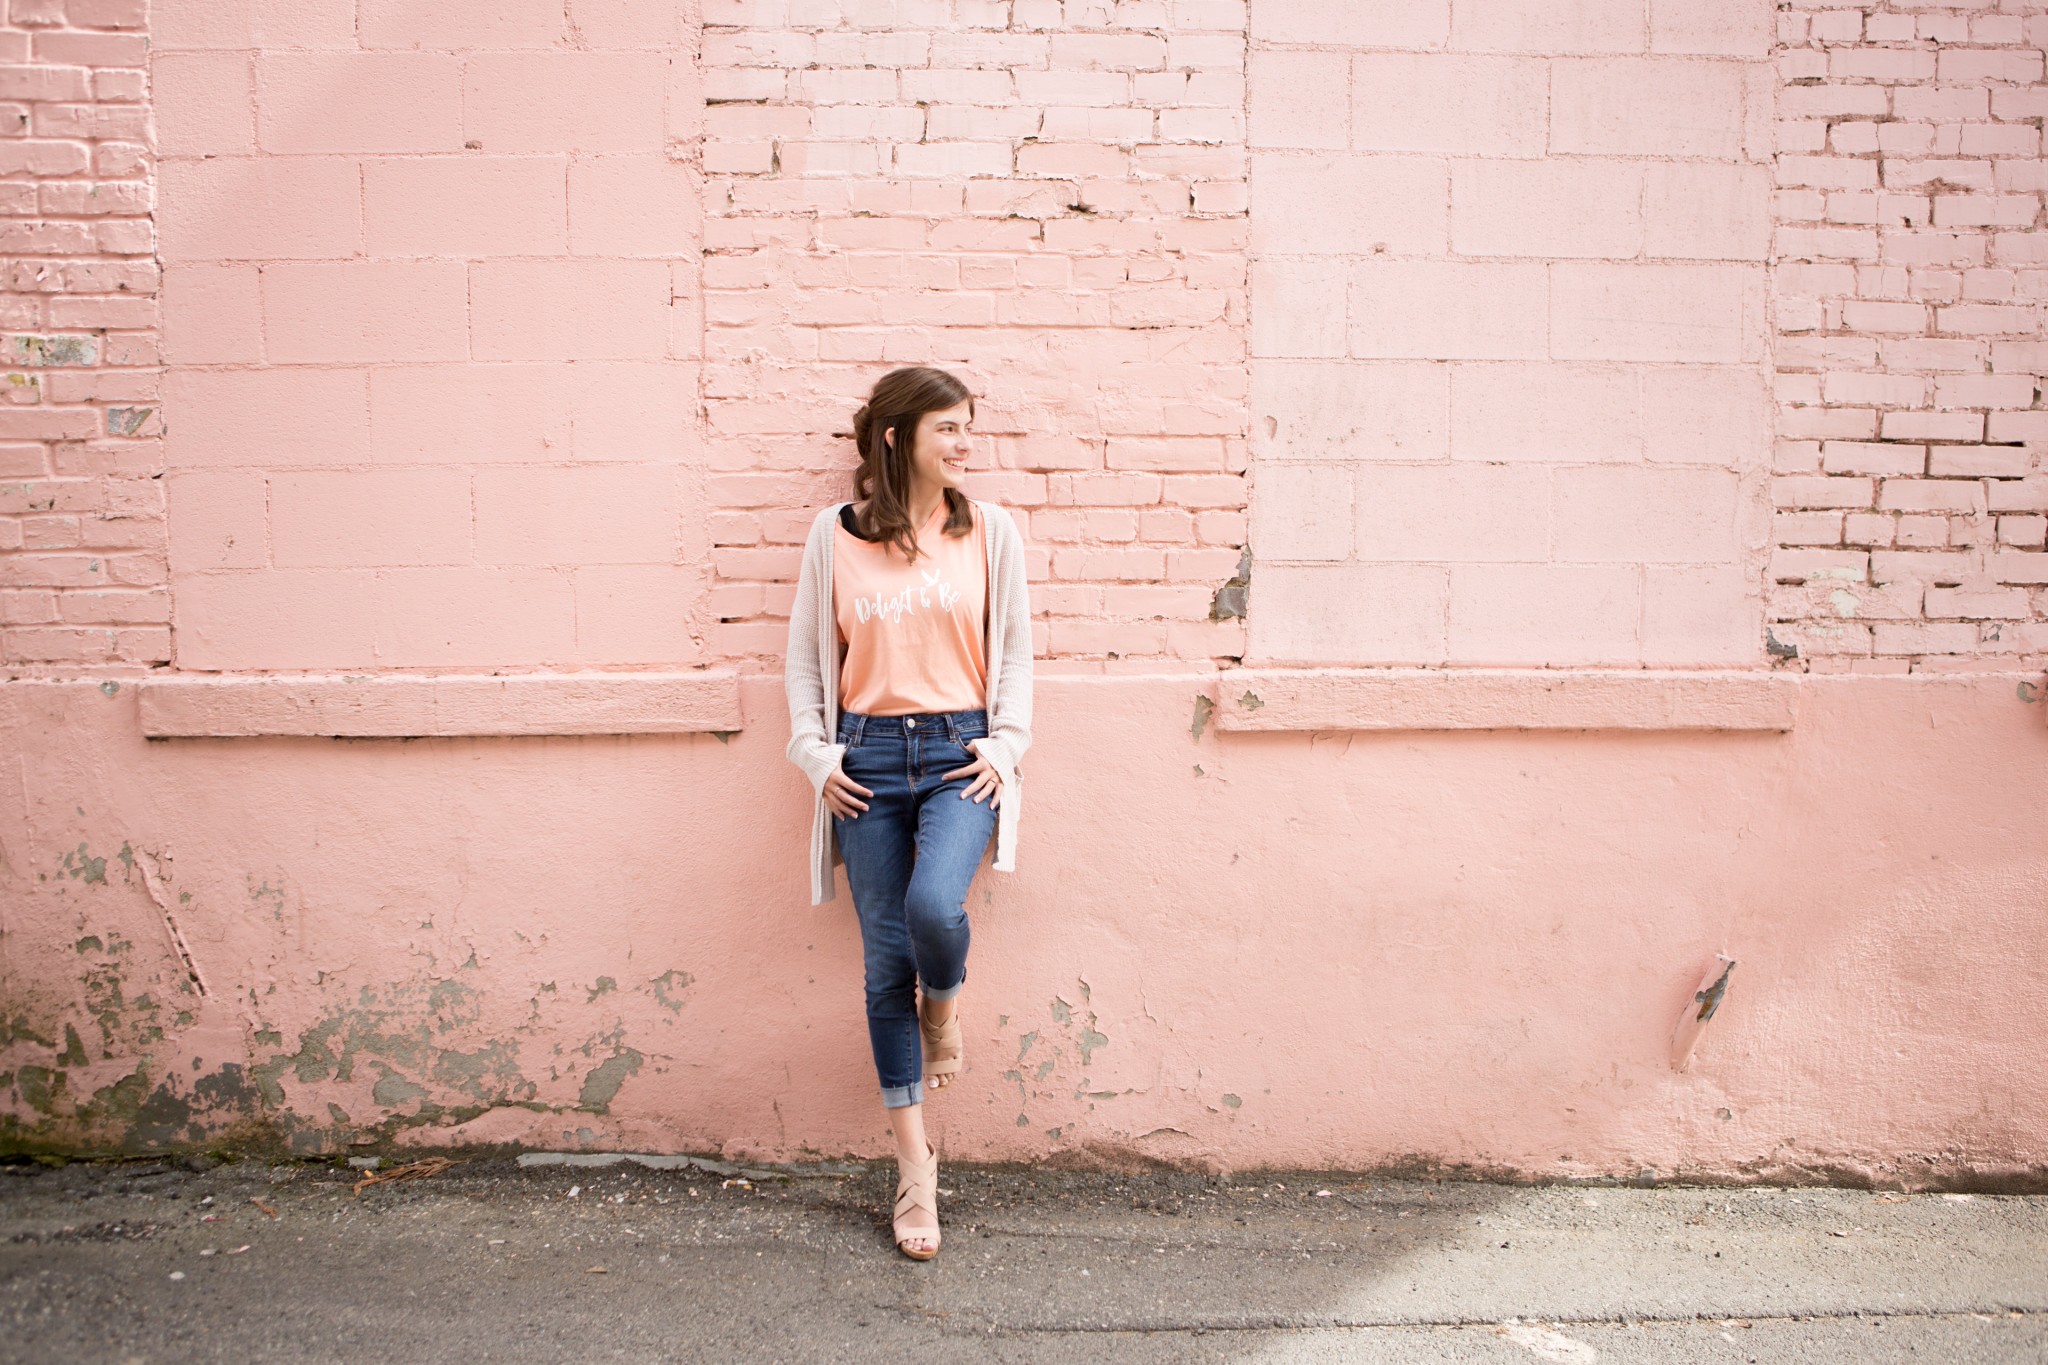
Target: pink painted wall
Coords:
[[1680, 354]]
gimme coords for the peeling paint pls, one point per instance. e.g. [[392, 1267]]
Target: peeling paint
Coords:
[[1203, 709], [601, 1086]]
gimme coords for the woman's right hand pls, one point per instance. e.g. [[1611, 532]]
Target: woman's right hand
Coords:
[[843, 795]]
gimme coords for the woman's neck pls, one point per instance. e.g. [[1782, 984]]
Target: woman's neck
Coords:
[[923, 500]]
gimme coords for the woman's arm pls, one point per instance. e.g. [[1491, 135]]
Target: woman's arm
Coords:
[[803, 672]]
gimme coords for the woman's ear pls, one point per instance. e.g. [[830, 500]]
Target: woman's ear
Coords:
[[889, 437]]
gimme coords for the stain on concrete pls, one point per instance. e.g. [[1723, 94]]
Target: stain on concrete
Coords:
[[601, 1086], [1233, 599], [605, 985]]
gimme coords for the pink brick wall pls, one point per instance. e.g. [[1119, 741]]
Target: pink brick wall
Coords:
[[1912, 272], [1508, 328], [431, 276], [82, 569], [1048, 198], [525, 336]]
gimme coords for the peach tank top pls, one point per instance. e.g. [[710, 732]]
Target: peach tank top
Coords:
[[913, 632]]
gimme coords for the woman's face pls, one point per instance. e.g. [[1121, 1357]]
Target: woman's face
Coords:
[[938, 457]]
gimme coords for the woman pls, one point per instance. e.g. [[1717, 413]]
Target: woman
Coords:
[[910, 642]]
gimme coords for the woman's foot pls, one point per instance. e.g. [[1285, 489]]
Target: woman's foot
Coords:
[[939, 1023], [916, 1223]]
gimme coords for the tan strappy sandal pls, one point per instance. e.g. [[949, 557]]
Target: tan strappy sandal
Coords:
[[942, 1046], [917, 1187]]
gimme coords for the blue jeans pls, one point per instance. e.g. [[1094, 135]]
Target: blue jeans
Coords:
[[909, 858]]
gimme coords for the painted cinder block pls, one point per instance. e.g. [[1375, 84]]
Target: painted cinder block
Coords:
[[1546, 27], [1705, 313], [1320, 410], [1447, 310], [282, 417], [1296, 318], [359, 102], [270, 619], [1302, 512], [1546, 411], [1407, 24], [368, 518], [1529, 614], [1645, 516], [1469, 512], [565, 101], [1718, 28], [465, 206], [406, 24], [260, 208], [565, 309], [1448, 102], [1696, 614], [470, 414], [246, 24], [1325, 204], [590, 514], [212, 314], [1546, 208], [361, 311], [640, 613], [1294, 101], [219, 519], [1345, 613], [1706, 210], [204, 103], [1646, 106]]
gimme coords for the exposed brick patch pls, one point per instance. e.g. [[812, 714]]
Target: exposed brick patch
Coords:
[[1049, 198], [1911, 273], [83, 576]]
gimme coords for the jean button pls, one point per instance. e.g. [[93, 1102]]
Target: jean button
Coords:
[[910, 725]]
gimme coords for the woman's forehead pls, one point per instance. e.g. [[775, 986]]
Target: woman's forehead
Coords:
[[960, 412]]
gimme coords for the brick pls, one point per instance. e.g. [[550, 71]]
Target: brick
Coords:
[[359, 102], [1451, 512], [374, 311], [1400, 102], [1312, 614], [1446, 310], [1536, 26], [1325, 204], [1547, 208], [1345, 411], [465, 206], [1865, 457], [1823, 492], [266, 418], [1646, 106], [260, 208], [570, 310], [1707, 313]]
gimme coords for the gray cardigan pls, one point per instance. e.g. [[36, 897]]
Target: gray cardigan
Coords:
[[811, 678]]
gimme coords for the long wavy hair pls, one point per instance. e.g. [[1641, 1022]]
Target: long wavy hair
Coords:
[[882, 483]]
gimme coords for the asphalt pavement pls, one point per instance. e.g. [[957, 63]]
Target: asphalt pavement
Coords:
[[582, 1259]]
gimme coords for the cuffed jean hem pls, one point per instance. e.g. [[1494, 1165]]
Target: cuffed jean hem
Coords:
[[946, 994], [900, 1096]]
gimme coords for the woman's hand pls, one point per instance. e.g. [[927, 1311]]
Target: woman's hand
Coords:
[[987, 782], [843, 795]]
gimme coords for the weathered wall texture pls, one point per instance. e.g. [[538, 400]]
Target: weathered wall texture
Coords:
[[82, 572], [1911, 272], [1579, 383]]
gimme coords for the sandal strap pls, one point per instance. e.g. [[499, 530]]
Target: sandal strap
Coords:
[[941, 1043], [917, 1187]]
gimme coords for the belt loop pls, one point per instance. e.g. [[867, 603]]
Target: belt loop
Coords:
[[860, 727], [953, 726]]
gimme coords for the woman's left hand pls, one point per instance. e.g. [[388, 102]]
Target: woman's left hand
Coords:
[[987, 782]]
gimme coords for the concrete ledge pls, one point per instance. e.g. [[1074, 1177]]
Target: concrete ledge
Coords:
[[397, 706], [1251, 700]]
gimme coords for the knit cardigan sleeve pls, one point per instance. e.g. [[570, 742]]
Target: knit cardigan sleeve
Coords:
[[1009, 717], [804, 672]]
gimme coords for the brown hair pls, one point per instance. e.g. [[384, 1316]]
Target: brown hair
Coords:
[[882, 482]]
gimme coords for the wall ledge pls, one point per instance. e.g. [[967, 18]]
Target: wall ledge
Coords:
[[220, 706], [1256, 700]]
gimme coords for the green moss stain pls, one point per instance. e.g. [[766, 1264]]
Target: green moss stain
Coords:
[[80, 865], [605, 986], [1232, 1101], [669, 988]]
